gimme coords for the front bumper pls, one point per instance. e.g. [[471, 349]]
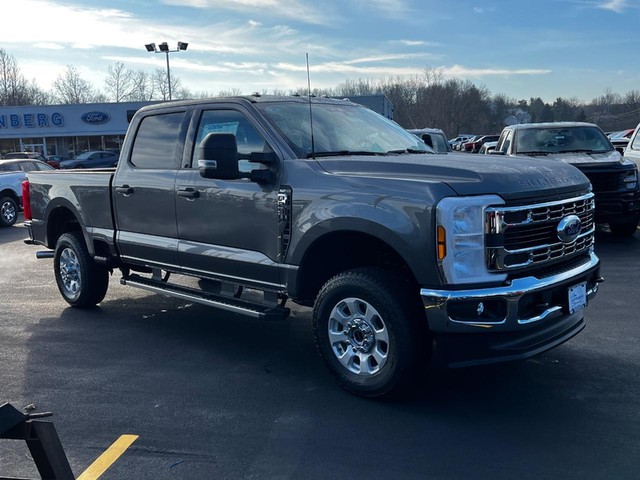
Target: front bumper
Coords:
[[616, 206], [515, 321]]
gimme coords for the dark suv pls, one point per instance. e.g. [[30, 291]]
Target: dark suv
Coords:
[[584, 145]]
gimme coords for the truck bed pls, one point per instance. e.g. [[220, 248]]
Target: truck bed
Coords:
[[86, 193]]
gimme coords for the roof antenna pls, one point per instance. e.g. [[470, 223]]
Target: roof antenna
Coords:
[[313, 145]]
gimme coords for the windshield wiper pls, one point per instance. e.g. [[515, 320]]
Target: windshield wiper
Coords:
[[577, 150], [408, 150], [534, 152], [339, 153]]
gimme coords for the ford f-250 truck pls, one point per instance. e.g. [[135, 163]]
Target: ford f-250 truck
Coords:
[[329, 204]]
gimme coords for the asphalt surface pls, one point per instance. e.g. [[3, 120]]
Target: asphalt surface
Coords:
[[213, 395]]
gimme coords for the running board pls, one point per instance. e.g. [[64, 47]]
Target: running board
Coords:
[[250, 309]]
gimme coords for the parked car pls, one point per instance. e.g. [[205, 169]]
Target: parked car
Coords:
[[434, 138], [33, 156], [92, 159], [468, 145], [620, 140], [12, 173], [632, 152], [459, 140], [54, 160], [479, 141], [487, 147]]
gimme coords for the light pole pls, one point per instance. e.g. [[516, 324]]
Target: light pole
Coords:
[[164, 48]]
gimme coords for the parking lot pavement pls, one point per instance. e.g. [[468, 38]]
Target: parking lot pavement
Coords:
[[213, 395]]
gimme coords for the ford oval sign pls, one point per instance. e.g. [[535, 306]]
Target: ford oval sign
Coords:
[[96, 118], [569, 228]]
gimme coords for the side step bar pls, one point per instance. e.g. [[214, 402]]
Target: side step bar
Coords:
[[254, 310]]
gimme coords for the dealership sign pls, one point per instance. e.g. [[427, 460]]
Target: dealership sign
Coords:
[[31, 120], [96, 118]]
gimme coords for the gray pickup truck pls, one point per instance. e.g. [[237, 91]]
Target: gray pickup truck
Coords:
[[244, 203]]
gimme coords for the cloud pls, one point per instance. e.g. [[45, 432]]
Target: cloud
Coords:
[[460, 71], [617, 6], [290, 9]]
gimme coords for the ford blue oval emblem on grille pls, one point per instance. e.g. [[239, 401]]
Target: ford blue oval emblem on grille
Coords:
[[569, 228], [96, 118]]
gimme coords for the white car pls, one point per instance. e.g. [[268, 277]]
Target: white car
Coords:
[[488, 147]]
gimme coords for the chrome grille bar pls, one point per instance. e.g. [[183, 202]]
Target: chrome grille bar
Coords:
[[524, 235]]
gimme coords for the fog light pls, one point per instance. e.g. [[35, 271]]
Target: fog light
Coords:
[[472, 311]]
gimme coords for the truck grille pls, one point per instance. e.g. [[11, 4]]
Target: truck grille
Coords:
[[530, 235], [606, 181]]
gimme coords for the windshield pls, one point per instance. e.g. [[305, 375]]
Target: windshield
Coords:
[[562, 140], [84, 156], [340, 130]]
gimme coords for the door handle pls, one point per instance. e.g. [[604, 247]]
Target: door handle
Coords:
[[124, 190], [188, 192]]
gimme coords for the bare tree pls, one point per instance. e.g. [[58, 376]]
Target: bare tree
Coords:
[[119, 83], [70, 88], [143, 87], [13, 86], [161, 84]]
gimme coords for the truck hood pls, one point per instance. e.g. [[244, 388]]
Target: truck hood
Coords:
[[512, 178], [584, 158]]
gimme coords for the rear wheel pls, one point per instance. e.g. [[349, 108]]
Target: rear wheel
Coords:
[[370, 330], [8, 211], [81, 281]]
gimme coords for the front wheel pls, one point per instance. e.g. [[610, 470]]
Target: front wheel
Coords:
[[81, 281], [370, 330], [8, 211], [624, 229]]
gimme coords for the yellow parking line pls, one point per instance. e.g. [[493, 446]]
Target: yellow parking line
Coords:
[[110, 455]]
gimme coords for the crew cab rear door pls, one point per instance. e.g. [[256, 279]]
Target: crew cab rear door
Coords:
[[228, 229], [144, 188]]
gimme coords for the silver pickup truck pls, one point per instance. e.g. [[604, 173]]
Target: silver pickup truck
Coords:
[[396, 248]]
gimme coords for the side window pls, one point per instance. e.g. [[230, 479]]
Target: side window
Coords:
[[10, 167], [156, 140], [27, 166], [506, 139], [248, 138]]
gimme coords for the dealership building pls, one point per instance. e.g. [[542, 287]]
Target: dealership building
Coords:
[[65, 130]]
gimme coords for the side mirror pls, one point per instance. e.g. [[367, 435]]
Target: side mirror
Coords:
[[218, 156]]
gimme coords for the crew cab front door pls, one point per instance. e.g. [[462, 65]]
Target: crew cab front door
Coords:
[[228, 229]]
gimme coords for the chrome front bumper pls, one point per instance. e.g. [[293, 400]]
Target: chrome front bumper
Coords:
[[549, 292]]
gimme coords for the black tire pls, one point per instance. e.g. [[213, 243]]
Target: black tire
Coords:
[[82, 282], [624, 229], [8, 211], [384, 328]]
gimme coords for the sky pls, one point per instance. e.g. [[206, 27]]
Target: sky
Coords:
[[520, 48]]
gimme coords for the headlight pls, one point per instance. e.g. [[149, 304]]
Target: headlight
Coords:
[[461, 235], [631, 180]]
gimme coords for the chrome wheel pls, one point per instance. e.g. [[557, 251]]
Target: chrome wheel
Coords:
[[358, 336], [70, 272], [8, 212]]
